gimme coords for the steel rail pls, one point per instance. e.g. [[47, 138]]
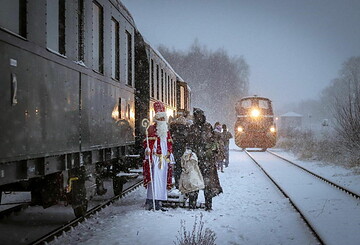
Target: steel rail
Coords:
[[351, 193], [306, 221], [73, 223]]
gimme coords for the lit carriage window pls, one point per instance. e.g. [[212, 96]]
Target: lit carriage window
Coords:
[[128, 115], [263, 104], [119, 109], [55, 25], [174, 92], [80, 13], [168, 90], [153, 78], [98, 38], [13, 16], [129, 59], [157, 83], [115, 49], [162, 85], [182, 97]]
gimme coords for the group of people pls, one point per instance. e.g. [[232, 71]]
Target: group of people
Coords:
[[193, 151]]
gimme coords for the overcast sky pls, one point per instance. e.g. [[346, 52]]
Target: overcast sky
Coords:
[[294, 47]]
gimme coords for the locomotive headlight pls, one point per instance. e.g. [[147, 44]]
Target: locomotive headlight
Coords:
[[255, 113], [272, 129], [240, 129]]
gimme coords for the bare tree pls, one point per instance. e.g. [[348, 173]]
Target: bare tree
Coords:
[[217, 80], [345, 92]]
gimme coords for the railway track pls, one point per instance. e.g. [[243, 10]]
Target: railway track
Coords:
[[356, 195], [331, 212], [73, 223], [24, 224]]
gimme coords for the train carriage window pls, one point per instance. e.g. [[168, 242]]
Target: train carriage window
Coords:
[[98, 38], [55, 25], [129, 58], [168, 90], [115, 49], [182, 97], [153, 78], [263, 104], [128, 111], [120, 109], [13, 16], [174, 93], [157, 82], [80, 13], [165, 88], [162, 85], [171, 91], [246, 103]]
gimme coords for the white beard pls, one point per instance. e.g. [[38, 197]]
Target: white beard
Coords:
[[161, 128]]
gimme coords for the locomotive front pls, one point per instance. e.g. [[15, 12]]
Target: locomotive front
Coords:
[[255, 126]]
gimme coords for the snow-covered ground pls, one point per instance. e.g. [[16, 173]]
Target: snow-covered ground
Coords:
[[350, 179], [250, 211]]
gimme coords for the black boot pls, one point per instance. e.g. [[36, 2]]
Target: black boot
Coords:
[[100, 189], [208, 204], [192, 199], [149, 204], [158, 206]]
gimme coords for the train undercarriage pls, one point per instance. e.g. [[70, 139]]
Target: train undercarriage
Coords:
[[71, 179]]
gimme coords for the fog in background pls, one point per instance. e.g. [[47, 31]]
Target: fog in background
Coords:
[[294, 49]]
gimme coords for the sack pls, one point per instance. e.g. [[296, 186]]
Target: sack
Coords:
[[190, 178]]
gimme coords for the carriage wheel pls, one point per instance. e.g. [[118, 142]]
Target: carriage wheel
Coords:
[[80, 210]]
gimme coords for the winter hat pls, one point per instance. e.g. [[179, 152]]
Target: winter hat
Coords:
[[199, 116], [159, 109], [181, 120]]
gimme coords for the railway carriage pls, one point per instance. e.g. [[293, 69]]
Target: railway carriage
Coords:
[[158, 81], [162, 82], [75, 82], [255, 125]]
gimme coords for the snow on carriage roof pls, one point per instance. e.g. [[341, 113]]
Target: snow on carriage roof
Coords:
[[124, 11], [157, 52], [255, 96]]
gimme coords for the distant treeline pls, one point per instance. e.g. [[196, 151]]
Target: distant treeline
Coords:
[[340, 103], [217, 80]]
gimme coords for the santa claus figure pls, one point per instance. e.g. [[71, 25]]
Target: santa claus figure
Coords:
[[158, 153]]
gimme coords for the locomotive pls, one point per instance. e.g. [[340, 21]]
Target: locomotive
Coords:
[[77, 79], [255, 124]]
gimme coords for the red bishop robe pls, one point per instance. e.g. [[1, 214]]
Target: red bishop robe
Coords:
[[152, 138]]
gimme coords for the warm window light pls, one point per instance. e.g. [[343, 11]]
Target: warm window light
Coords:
[[255, 113], [132, 115], [240, 129], [272, 129], [115, 113], [169, 113]]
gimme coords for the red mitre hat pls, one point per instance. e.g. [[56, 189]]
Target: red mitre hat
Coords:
[[159, 109]]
